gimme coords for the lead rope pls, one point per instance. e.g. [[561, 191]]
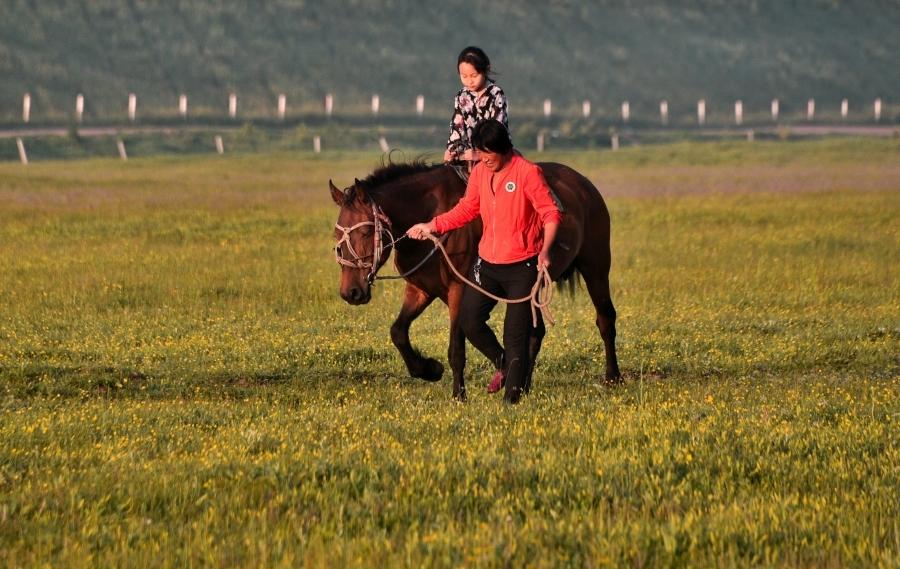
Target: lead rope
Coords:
[[540, 297], [405, 274]]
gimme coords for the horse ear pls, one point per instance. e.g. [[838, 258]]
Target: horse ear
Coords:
[[336, 194], [360, 190]]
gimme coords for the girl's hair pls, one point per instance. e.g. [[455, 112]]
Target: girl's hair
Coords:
[[491, 135], [475, 57]]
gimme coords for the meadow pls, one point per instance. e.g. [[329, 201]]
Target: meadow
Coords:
[[181, 385]]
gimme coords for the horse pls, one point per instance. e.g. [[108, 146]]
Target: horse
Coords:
[[376, 212]]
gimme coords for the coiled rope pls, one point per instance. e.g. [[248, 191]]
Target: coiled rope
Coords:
[[540, 297]]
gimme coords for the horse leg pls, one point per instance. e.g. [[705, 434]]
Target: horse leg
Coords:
[[456, 353], [534, 346], [415, 301], [597, 281]]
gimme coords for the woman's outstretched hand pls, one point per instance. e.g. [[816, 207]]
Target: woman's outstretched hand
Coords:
[[421, 230]]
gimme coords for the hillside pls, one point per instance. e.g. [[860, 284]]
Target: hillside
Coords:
[[568, 51]]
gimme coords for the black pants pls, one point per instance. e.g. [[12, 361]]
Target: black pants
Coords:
[[512, 281]]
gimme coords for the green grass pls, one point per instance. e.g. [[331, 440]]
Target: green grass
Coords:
[[181, 384]]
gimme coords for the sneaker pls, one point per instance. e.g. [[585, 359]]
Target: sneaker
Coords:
[[497, 381]]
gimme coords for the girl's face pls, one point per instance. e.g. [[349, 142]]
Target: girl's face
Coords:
[[471, 78]]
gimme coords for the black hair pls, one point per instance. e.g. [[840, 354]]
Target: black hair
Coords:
[[475, 57], [492, 136]]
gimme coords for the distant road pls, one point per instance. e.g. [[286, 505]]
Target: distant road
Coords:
[[871, 130], [90, 132], [802, 130]]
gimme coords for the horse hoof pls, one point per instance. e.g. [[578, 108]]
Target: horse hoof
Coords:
[[612, 380], [433, 370], [512, 396], [460, 396]]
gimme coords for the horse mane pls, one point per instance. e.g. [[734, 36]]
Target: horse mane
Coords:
[[388, 172]]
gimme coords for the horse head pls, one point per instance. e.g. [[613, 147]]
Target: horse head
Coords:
[[363, 243]]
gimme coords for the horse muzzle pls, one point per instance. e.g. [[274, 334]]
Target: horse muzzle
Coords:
[[357, 295]]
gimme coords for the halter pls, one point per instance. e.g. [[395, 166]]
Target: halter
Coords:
[[381, 224]]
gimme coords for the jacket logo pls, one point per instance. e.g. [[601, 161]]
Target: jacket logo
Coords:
[[510, 187]]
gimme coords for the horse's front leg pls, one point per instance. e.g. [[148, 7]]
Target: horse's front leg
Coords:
[[415, 301], [456, 354]]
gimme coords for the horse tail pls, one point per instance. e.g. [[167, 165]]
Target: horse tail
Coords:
[[569, 280]]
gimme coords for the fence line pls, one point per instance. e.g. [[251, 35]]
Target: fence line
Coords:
[[23, 156], [543, 138], [626, 113]]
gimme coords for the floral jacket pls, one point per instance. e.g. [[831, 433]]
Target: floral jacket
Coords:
[[468, 111]]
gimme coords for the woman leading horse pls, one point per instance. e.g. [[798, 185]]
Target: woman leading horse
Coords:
[[520, 221], [398, 196]]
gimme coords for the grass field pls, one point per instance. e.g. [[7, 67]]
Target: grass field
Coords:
[[180, 383]]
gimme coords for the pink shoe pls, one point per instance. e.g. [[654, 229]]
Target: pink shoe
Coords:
[[497, 381]]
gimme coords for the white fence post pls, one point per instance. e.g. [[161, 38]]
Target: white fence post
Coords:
[[701, 112], [775, 108], [121, 144], [282, 106], [182, 105], [750, 135], [383, 144], [132, 107], [614, 141], [586, 108], [664, 111], [232, 105], [810, 109], [738, 112], [26, 107], [548, 108], [420, 105], [376, 104], [220, 146], [540, 142], [626, 111], [317, 144], [22, 155], [79, 107], [329, 104], [877, 109], [845, 108]]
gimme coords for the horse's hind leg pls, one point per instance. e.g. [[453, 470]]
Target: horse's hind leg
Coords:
[[597, 280], [415, 301]]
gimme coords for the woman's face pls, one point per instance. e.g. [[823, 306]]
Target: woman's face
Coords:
[[471, 78], [493, 161]]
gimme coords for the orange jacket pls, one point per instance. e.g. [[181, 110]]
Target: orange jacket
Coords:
[[514, 210]]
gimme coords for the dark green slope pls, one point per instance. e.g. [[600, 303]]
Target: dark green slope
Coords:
[[568, 51]]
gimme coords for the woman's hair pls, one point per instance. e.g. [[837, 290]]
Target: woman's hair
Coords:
[[491, 135], [475, 57]]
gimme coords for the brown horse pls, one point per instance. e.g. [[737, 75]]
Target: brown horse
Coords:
[[380, 208]]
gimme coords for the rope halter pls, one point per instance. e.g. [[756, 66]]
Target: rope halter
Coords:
[[381, 225]]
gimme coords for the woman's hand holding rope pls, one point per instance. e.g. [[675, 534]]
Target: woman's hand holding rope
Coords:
[[422, 231]]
